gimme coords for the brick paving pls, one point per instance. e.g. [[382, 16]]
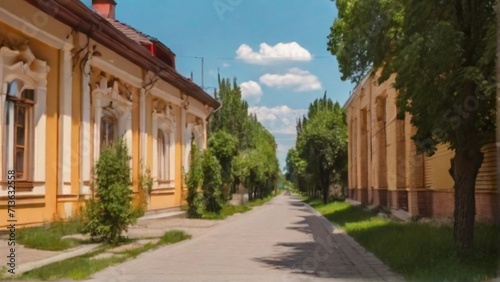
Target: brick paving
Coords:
[[284, 240]]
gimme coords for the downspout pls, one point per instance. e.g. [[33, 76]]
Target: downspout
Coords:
[[214, 111]]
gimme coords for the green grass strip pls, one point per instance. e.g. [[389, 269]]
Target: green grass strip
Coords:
[[82, 267], [418, 251]]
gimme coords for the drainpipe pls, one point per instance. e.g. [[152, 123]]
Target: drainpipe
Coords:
[[214, 111]]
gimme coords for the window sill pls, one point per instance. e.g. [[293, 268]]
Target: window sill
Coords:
[[164, 184], [20, 185]]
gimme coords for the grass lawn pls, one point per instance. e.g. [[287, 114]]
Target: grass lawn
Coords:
[[229, 210], [48, 237], [420, 252], [82, 267]]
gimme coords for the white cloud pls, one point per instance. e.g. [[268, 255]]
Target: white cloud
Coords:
[[251, 91], [279, 119], [291, 51], [226, 65], [296, 78]]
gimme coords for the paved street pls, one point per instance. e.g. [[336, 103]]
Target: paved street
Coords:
[[283, 240]]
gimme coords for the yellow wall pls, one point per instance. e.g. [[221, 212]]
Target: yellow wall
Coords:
[[401, 162], [136, 159], [41, 212], [40, 208], [178, 159]]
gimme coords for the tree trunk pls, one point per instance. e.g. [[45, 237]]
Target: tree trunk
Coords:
[[250, 193], [497, 9], [465, 168], [325, 184]]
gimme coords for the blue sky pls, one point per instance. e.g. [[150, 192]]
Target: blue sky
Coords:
[[275, 48]]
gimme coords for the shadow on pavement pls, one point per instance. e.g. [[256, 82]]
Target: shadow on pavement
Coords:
[[323, 257]]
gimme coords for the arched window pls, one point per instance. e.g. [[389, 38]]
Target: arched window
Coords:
[[18, 127], [108, 129]]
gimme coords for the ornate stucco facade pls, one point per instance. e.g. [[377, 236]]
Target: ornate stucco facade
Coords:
[[72, 81], [385, 168]]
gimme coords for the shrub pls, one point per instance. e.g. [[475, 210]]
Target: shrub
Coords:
[[109, 211], [212, 182], [145, 189]]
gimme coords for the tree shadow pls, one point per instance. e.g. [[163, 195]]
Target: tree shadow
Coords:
[[327, 255]]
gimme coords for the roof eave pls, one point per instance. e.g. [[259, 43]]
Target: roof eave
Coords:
[[78, 16]]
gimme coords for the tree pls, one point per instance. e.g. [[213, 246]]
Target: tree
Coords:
[[212, 182], [224, 147], [323, 144], [109, 211], [246, 151], [233, 117], [443, 54], [194, 180]]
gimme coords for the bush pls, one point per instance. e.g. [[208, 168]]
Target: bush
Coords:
[[145, 189], [109, 211], [212, 182]]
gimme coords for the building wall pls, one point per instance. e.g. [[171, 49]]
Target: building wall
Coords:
[[385, 168], [66, 144]]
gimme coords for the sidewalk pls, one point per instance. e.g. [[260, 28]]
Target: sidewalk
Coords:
[[283, 240], [146, 227]]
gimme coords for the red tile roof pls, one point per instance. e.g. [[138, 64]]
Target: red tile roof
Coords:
[[130, 32]]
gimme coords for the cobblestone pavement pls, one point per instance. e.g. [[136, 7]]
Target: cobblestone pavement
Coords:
[[284, 240]]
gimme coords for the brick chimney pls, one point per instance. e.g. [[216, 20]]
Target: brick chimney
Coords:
[[105, 8]]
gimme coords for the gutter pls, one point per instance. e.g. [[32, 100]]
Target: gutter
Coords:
[[214, 111], [353, 93]]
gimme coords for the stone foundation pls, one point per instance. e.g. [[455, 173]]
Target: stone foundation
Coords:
[[428, 203]]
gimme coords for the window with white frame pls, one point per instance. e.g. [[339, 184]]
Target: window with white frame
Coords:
[[112, 116], [18, 128], [108, 129], [164, 147], [23, 93]]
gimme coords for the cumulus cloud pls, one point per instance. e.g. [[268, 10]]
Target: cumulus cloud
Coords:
[[299, 80], [279, 119], [251, 91], [291, 51]]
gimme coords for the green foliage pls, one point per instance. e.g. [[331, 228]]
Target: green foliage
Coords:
[[49, 236], [444, 57], [418, 251], [212, 182], [174, 236], [245, 150], [81, 267], [226, 211], [109, 211], [443, 53], [320, 157], [145, 189], [233, 116], [224, 147], [194, 180]]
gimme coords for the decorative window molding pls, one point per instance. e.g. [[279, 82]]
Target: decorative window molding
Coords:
[[188, 139], [164, 127], [112, 107], [22, 115]]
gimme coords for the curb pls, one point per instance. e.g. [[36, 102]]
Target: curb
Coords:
[[67, 255], [333, 228]]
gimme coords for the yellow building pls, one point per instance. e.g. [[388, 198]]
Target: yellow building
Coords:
[[74, 79], [385, 169]]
